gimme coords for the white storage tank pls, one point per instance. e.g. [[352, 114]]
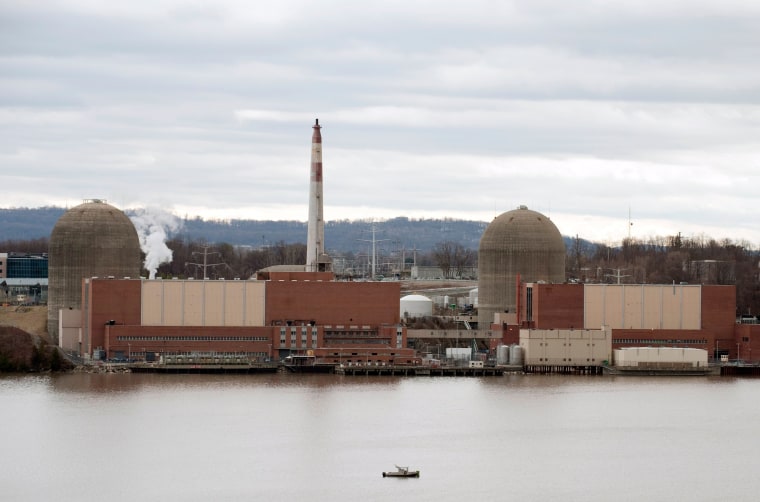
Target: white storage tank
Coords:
[[515, 355], [502, 355], [416, 306]]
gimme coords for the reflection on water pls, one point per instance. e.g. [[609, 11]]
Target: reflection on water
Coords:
[[318, 437]]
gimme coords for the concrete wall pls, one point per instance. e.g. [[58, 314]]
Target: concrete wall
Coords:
[[642, 306], [566, 347], [203, 303]]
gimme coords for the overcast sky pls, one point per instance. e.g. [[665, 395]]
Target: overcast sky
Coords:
[[581, 110]]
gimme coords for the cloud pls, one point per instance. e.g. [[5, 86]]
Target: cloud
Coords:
[[579, 110]]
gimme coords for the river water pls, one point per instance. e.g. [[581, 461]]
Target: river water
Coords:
[[133, 437]]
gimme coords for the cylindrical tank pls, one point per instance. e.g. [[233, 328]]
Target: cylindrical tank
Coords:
[[502, 355], [416, 306], [520, 242], [515, 355], [93, 239]]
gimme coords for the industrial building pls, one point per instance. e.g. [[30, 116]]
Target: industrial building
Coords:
[[640, 315], [566, 347], [656, 358], [23, 278], [23, 266], [141, 319]]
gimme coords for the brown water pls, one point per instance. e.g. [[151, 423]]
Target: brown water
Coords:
[[323, 437]]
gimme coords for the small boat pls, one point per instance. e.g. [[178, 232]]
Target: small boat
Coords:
[[307, 364], [401, 472]]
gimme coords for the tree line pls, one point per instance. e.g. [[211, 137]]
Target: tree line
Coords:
[[654, 260], [671, 259]]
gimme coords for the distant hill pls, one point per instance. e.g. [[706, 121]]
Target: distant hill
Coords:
[[22, 223], [341, 235]]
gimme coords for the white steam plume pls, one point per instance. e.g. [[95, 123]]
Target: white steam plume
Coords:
[[152, 226]]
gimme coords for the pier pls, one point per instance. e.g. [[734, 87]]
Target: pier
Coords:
[[450, 371], [563, 370], [203, 368], [740, 370]]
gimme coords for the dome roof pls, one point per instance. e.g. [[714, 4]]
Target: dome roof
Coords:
[[522, 229], [95, 226]]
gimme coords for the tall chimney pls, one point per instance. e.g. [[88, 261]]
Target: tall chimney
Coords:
[[315, 240]]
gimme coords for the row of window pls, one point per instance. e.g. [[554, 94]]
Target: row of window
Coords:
[[293, 331], [351, 333], [304, 341], [371, 341], [186, 338], [199, 355], [568, 360], [356, 354], [564, 344], [26, 267]]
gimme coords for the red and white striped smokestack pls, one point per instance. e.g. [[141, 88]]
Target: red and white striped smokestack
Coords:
[[315, 240]]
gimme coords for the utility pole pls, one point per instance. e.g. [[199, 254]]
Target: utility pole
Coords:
[[374, 242], [617, 274], [205, 263]]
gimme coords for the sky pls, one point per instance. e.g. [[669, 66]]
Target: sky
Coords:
[[610, 117]]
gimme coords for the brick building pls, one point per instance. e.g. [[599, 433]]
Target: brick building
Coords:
[[259, 320], [641, 315]]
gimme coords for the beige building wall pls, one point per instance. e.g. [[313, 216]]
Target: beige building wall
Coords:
[[566, 347], [642, 306], [172, 301], [70, 330], [202, 303]]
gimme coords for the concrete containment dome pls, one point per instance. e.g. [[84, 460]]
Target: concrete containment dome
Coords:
[[416, 306], [89, 240], [520, 242]]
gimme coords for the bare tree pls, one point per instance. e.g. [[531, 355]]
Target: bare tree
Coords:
[[462, 258], [443, 254]]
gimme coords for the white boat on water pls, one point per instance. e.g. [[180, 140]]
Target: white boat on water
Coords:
[[401, 472]]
